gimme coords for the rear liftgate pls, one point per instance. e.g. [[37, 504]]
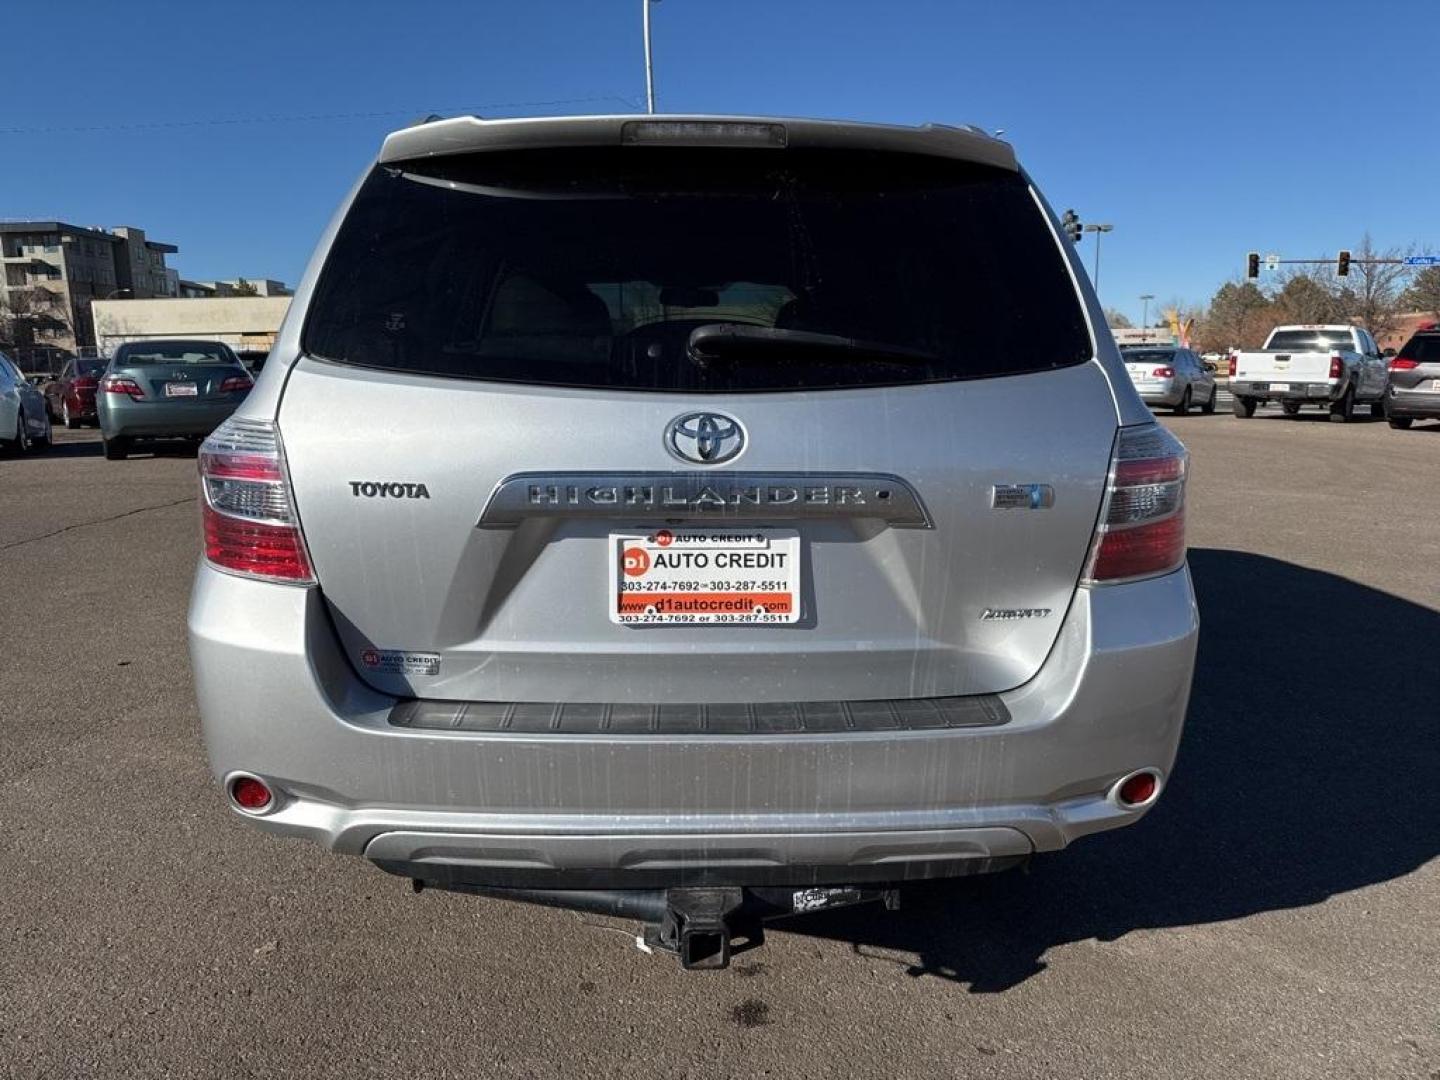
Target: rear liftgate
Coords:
[[704, 926]]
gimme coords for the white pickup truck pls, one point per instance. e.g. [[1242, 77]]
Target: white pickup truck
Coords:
[[1335, 367]]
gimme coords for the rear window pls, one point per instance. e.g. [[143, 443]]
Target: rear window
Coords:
[[1312, 341], [1423, 348], [175, 352], [593, 268], [1147, 356]]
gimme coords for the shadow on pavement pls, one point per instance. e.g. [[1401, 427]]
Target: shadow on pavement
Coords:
[[1308, 768], [61, 450]]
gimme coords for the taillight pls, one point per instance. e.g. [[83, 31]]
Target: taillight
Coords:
[[1232, 367], [251, 527], [116, 384], [236, 382], [88, 383], [1163, 373], [1403, 363], [1337, 367], [1142, 522]]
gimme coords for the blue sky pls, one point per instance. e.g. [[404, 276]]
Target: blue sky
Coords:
[[1200, 131]]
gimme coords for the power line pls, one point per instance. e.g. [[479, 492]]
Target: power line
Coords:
[[281, 118]]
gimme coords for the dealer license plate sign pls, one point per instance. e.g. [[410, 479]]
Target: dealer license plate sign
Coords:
[[1279, 387], [181, 389], [690, 576]]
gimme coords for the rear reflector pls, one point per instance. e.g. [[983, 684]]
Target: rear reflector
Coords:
[[249, 793], [1403, 363], [1232, 367], [1337, 367], [1141, 532], [1138, 789], [251, 527]]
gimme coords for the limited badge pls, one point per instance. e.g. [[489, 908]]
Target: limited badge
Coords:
[[400, 662]]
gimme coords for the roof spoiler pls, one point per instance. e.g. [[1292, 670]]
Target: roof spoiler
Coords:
[[470, 134]]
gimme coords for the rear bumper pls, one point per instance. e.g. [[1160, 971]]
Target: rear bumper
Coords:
[[279, 700], [1168, 393], [1329, 390], [1414, 404], [124, 418]]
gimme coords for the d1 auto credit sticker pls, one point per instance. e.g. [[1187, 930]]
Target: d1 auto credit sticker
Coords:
[[400, 662]]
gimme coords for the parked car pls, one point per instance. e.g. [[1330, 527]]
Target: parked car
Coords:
[[24, 423], [71, 397], [167, 390], [755, 529], [253, 359], [1336, 367], [1415, 380], [1170, 377]]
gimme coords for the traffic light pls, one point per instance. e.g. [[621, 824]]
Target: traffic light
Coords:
[[1252, 265], [1342, 264], [1070, 222]]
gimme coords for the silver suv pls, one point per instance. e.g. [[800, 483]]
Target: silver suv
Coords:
[[695, 518]]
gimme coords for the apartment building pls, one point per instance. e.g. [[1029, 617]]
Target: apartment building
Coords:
[[52, 271]]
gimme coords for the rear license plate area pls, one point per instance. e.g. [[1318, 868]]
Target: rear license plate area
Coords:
[[181, 389], [734, 577], [1279, 387]]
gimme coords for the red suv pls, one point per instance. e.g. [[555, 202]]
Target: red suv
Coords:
[[71, 397]]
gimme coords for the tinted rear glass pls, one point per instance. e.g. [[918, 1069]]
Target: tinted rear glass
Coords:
[[592, 268], [1423, 348], [1311, 341], [175, 352], [1147, 356]]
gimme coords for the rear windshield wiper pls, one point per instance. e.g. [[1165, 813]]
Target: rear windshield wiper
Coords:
[[738, 343]]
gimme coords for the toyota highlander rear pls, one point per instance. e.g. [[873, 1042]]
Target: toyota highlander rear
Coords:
[[692, 518]]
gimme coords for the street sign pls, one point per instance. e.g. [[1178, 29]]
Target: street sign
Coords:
[[1422, 260], [1272, 262]]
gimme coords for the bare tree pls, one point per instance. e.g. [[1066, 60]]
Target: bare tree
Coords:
[[27, 314], [1371, 293], [1117, 320]]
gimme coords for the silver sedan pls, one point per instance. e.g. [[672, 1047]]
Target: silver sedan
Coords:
[[1170, 377]]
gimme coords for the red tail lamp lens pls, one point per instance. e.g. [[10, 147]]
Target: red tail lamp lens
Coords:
[[1138, 789], [250, 794]]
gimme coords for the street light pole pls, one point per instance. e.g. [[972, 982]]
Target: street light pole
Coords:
[[1145, 318], [1097, 230], [649, 70]]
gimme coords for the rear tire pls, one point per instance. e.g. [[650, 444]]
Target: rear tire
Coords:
[[20, 442], [1209, 407], [1184, 406], [1291, 408], [1401, 423], [1243, 407], [1377, 409], [117, 449], [1343, 411]]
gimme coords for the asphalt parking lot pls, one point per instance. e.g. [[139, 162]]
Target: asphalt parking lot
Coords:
[[1278, 914]]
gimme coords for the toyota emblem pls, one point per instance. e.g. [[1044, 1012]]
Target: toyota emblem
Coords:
[[705, 438]]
